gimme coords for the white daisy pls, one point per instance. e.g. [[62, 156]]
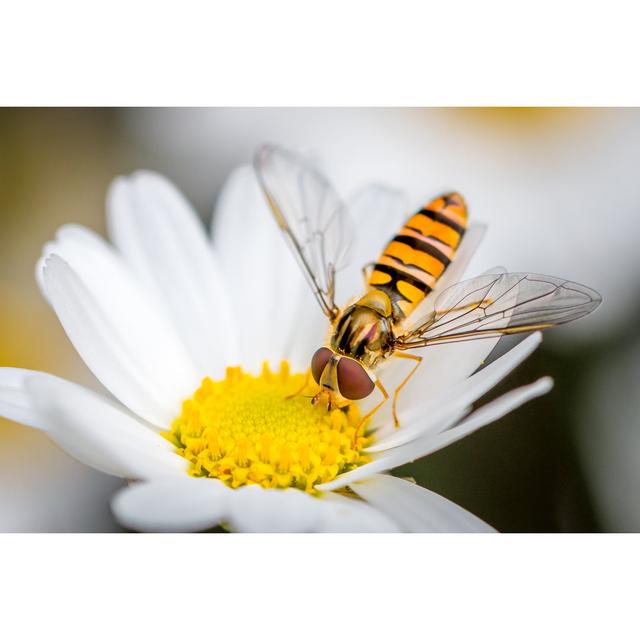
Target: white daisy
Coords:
[[177, 328]]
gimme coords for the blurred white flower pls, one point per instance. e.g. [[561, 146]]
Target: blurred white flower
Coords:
[[160, 318]]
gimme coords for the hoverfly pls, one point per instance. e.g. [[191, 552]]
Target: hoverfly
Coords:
[[409, 300]]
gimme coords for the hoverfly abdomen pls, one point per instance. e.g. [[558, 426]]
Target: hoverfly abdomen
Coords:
[[417, 256]]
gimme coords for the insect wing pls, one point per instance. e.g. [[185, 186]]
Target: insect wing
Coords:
[[497, 304], [311, 216]]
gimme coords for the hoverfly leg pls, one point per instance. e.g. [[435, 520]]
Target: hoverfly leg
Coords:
[[406, 356], [385, 395], [305, 384]]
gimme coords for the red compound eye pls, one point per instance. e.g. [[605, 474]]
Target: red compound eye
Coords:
[[319, 362], [353, 380]]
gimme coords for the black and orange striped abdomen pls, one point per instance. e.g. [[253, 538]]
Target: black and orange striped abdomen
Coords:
[[412, 262]]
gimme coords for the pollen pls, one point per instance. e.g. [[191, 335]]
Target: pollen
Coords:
[[249, 429]]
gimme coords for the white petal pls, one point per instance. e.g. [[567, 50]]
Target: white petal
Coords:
[[421, 418], [185, 504], [163, 241], [15, 402], [276, 312], [181, 504], [118, 333], [348, 515], [416, 509], [253, 509], [100, 434], [444, 367], [428, 444]]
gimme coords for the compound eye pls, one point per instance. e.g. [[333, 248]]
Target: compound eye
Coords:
[[319, 362], [353, 380]]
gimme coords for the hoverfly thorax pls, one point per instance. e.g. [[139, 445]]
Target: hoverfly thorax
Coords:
[[364, 331]]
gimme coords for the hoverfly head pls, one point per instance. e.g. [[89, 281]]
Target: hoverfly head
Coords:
[[340, 375]]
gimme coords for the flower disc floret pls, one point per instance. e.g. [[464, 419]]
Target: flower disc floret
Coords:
[[249, 429]]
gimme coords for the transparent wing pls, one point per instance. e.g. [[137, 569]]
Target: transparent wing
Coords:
[[311, 216], [496, 304]]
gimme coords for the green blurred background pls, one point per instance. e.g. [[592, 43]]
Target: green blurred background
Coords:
[[561, 192]]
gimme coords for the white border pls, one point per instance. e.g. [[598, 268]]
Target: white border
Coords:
[[319, 586], [334, 52]]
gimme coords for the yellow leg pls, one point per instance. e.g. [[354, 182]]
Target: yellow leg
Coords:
[[405, 356], [305, 384], [385, 397]]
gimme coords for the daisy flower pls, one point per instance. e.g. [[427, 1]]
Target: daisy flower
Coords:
[[202, 345]]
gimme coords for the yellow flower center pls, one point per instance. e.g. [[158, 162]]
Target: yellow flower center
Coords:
[[264, 430]]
